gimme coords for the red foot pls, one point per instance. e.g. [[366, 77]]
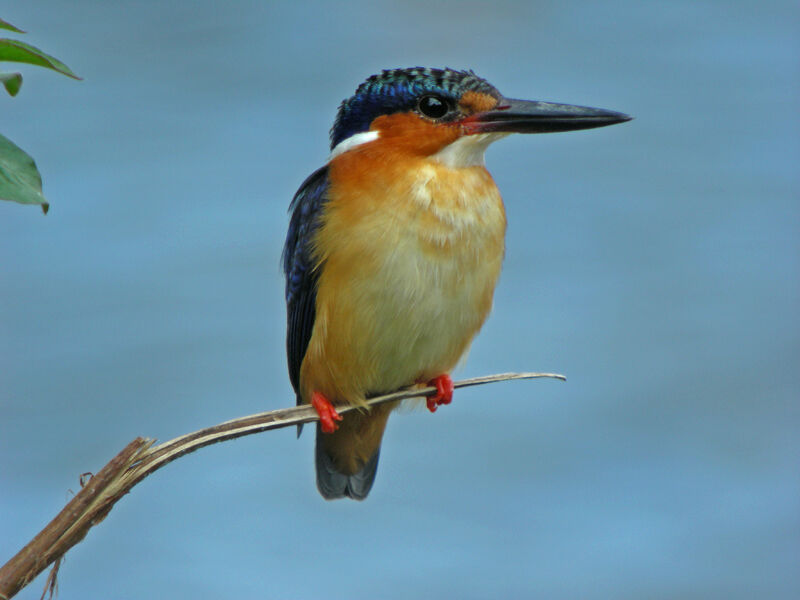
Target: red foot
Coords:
[[327, 414], [444, 392]]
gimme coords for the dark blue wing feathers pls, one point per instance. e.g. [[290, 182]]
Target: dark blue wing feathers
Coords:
[[301, 277]]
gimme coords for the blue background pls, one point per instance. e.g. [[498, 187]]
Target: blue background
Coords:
[[656, 264]]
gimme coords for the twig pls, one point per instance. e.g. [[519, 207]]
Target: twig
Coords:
[[140, 458]]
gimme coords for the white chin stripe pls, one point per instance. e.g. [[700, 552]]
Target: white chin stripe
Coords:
[[467, 151], [354, 140]]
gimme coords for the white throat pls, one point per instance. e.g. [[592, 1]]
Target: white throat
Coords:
[[467, 151]]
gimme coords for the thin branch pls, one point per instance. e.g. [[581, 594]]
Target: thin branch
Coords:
[[164, 453], [140, 458]]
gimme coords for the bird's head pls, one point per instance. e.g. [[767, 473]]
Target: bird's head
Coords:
[[450, 115]]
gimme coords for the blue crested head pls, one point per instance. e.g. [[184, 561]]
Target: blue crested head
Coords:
[[400, 90]]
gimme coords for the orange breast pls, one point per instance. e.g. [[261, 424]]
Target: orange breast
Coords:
[[409, 253]]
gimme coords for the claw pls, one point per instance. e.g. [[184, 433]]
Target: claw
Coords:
[[444, 392], [327, 414]]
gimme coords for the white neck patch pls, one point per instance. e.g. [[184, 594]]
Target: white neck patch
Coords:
[[354, 140], [467, 151]]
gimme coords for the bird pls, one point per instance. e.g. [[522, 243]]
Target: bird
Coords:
[[394, 249]]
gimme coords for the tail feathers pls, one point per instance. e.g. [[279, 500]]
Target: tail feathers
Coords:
[[333, 484]]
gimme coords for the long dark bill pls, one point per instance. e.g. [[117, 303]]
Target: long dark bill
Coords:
[[527, 116]]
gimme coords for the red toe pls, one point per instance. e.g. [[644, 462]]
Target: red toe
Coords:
[[327, 413], [444, 392]]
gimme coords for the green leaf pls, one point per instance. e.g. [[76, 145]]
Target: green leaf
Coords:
[[12, 82], [7, 25], [19, 178], [16, 51]]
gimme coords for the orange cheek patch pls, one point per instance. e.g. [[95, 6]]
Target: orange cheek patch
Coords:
[[474, 102], [409, 133]]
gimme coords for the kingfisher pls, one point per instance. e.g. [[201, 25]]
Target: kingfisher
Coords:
[[394, 249]]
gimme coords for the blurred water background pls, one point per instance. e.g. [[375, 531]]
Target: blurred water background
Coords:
[[656, 264]]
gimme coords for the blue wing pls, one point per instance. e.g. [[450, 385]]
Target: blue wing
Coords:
[[301, 277]]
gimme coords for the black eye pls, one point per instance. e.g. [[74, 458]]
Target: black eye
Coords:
[[433, 107]]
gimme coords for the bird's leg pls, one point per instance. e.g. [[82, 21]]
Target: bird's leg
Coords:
[[327, 414], [444, 392]]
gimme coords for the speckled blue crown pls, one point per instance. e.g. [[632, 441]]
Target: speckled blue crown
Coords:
[[397, 90]]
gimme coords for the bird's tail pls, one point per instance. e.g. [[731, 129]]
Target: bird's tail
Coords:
[[333, 484], [347, 460]]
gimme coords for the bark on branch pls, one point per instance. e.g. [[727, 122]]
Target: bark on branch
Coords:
[[141, 457]]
